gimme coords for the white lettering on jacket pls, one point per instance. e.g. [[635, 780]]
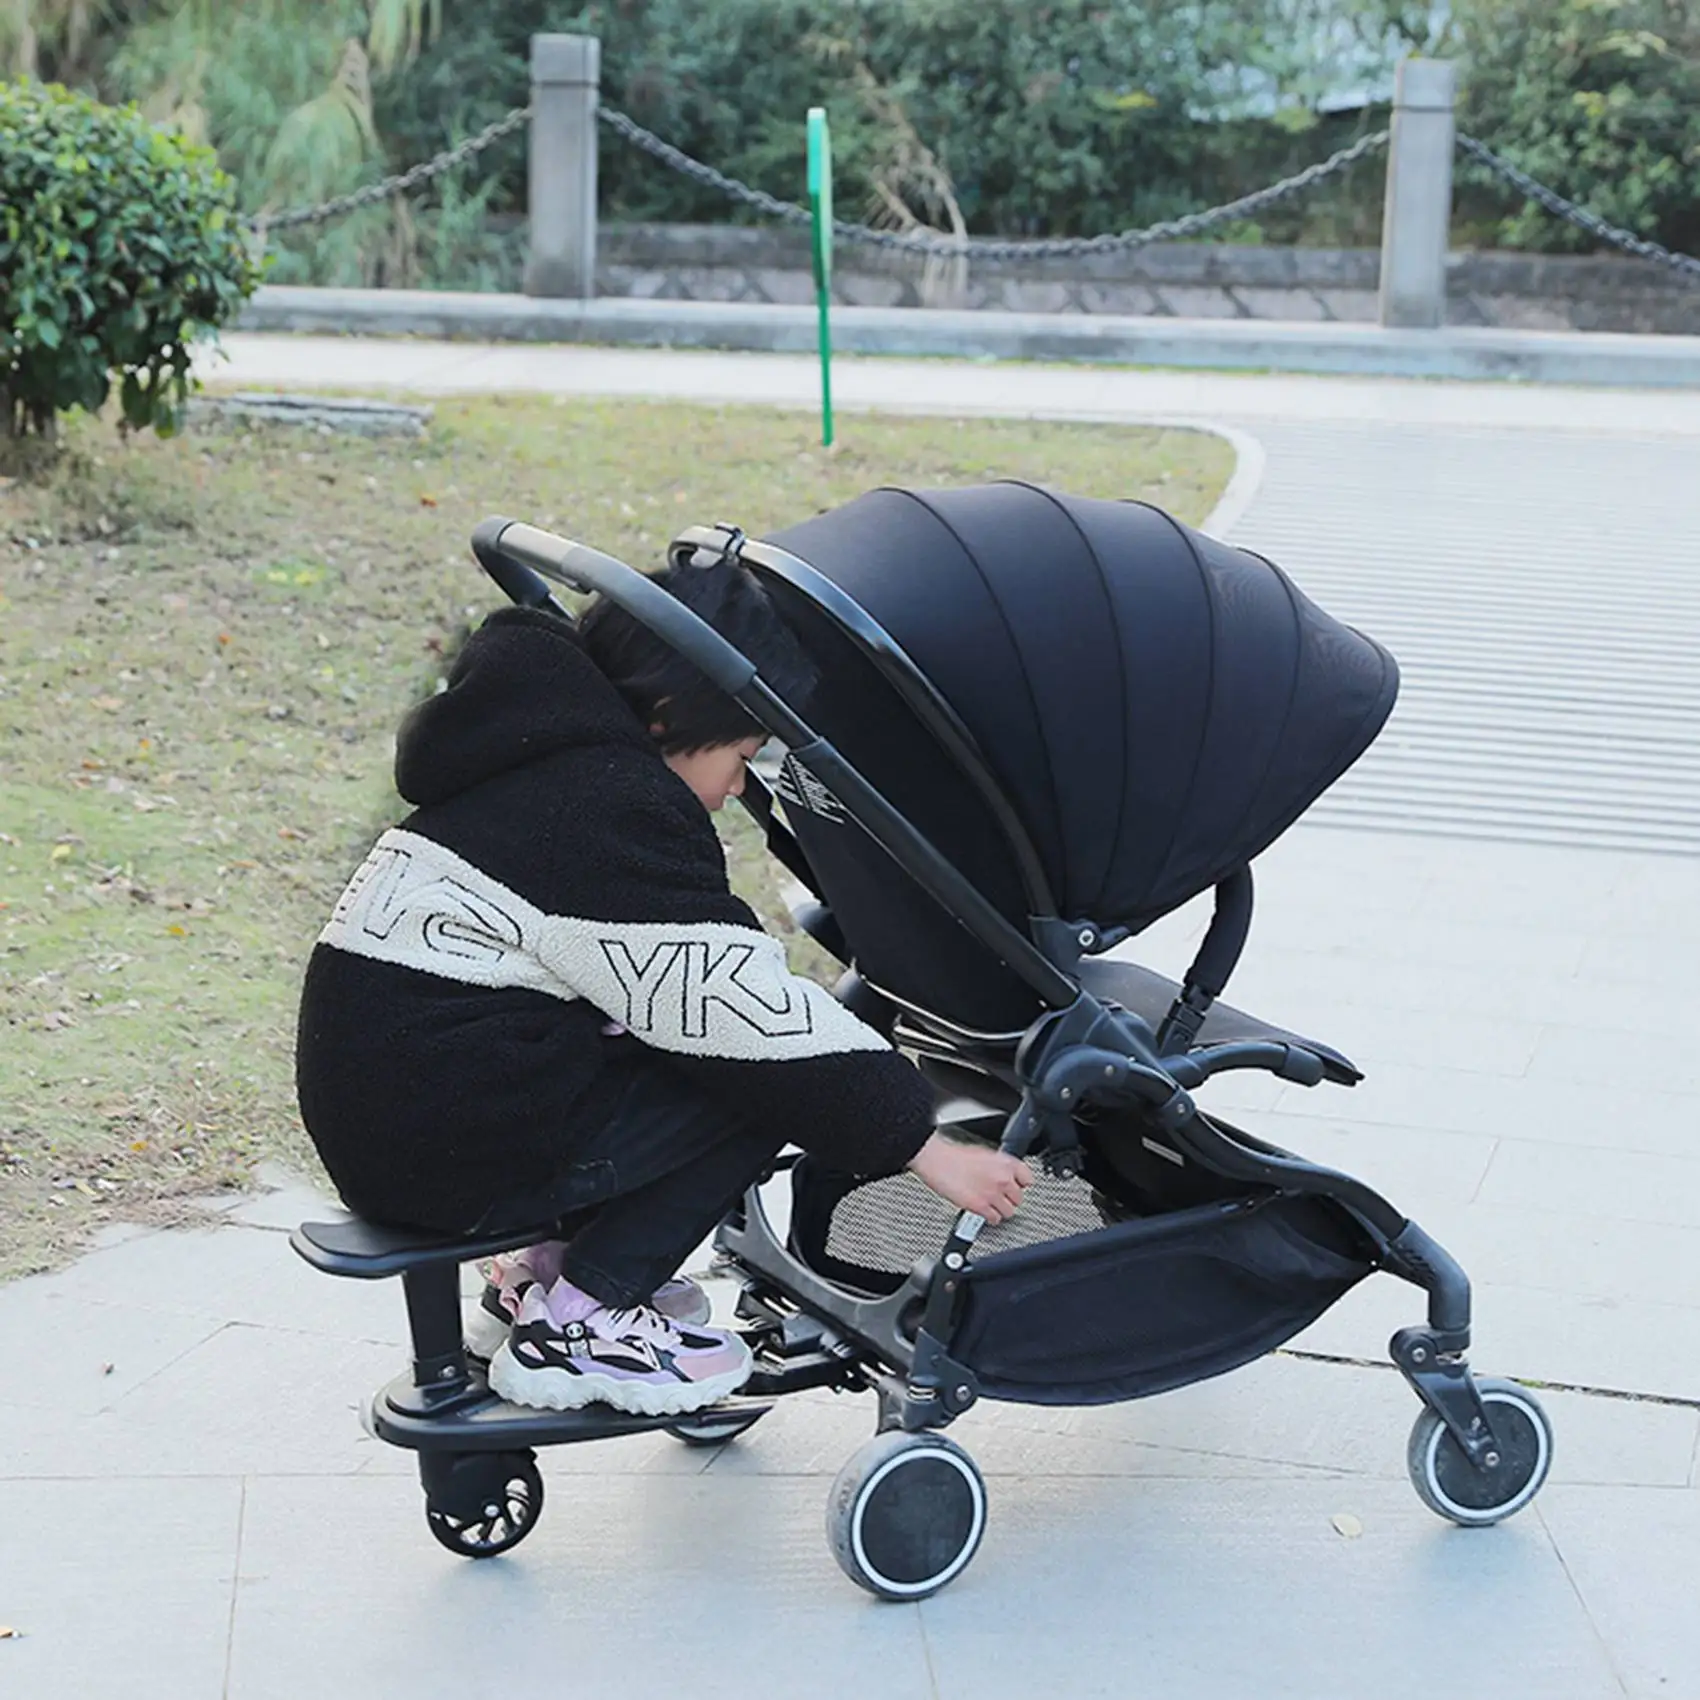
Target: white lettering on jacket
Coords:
[[706, 988]]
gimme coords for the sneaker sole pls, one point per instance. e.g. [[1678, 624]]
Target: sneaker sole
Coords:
[[561, 1390]]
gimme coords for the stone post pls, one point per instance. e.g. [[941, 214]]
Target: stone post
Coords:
[[566, 71], [1417, 216]]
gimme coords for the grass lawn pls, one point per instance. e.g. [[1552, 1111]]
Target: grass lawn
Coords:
[[205, 646]]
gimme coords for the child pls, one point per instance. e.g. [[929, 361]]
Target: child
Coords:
[[538, 1001]]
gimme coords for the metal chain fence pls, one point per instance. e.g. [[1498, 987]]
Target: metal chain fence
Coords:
[[1042, 248], [927, 243], [403, 182], [1684, 264]]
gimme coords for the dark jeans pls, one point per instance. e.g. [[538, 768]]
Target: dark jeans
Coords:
[[642, 1188]]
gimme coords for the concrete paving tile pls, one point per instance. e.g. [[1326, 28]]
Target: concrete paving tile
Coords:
[[1629, 1346], [121, 1589], [1292, 988], [1655, 895], [37, 1440], [726, 1588], [1626, 1185], [233, 1274], [287, 1201], [1573, 1053], [1648, 964], [1227, 1589], [1414, 1167], [1609, 1116], [1524, 885], [1241, 1091], [1596, 1257], [1377, 1038], [249, 1401], [74, 1358], [1319, 1416], [807, 1437], [1600, 1442], [1632, 1555], [1385, 948]]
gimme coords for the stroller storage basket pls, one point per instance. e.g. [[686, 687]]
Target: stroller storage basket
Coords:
[[1153, 1303]]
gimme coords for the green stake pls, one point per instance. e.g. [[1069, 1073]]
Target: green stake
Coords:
[[820, 205]]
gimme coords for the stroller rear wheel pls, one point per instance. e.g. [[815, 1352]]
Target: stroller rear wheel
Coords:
[[906, 1514], [1477, 1495], [713, 1428]]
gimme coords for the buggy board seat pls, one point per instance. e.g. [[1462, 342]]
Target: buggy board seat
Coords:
[[367, 1251]]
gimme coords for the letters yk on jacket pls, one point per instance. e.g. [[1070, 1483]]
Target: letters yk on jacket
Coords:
[[708, 988]]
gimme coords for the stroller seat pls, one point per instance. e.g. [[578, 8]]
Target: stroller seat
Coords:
[[1149, 995]]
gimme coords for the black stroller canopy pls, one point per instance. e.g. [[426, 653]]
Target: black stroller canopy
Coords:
[[1157, 706]]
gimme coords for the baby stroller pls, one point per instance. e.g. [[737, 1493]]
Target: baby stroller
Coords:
[[1041, 724]]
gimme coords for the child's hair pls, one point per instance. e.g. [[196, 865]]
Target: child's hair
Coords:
[[664, 689]]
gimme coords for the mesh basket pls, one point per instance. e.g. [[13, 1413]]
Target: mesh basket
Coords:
[[868, 1235]]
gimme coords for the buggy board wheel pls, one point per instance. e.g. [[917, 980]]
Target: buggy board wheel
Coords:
[[713, 1428], [1475, 1496], [906, 1514], [503, 1517]]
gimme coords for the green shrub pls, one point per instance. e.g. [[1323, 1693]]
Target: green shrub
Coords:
[[1600, 99], [118, 247], [1052, 117]]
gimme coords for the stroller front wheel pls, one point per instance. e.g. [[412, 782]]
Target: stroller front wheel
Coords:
[[906, 1514], [492, 1509], [1475, 1496]]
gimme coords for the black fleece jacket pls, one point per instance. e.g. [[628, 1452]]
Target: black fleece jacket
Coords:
[[555, 876]]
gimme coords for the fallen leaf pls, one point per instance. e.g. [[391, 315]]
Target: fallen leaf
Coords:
[[1346, 1524], [59, 852], [92, 765], [138, 1145], [177, 931], [427, 501], [224, 637]]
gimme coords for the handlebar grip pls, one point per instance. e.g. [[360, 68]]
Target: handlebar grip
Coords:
[[1301, 1066]]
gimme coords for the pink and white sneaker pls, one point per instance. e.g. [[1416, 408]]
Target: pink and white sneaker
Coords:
[[566, 1350], [511, 1275]]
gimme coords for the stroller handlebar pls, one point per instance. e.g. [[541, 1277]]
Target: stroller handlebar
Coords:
[[504, 545]]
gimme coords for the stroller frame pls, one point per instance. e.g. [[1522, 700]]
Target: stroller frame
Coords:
[[907, 1512]]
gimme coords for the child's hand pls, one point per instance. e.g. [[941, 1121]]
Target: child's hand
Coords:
[[973, 1177]]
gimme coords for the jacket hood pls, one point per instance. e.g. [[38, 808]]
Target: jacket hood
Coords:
[[522, 688]]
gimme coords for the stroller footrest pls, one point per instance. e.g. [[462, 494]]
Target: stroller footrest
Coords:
[[367, 1251]]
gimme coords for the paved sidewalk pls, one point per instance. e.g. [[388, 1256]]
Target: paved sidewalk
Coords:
[[188, 1507]]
